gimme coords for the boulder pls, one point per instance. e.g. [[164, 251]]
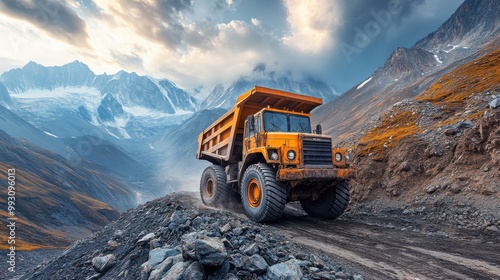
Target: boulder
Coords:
[[145, 239], [256, 264], [208, 251], [177, 271], [194, 271], [495, 103], [104, 263], [157, 255], [288, 270]]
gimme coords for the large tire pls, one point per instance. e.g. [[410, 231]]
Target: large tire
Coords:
[[214, 189], [263, 197], [331, 203]]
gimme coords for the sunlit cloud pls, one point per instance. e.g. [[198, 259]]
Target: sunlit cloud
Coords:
[[194, 42], [313, 24]]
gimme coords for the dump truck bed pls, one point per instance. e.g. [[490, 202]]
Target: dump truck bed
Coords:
[[216, 143]]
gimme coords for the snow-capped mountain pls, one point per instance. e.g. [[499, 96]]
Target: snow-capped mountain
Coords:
[[225, 96], [36, 76], [123, 105]]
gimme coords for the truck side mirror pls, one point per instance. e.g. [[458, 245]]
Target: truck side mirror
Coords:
[[319, 130], [251, 123]]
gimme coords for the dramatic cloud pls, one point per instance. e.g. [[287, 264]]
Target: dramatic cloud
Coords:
[[313, 24], [52, 16], [200, 43]]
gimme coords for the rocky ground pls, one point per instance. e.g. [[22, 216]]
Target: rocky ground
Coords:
[[176, 238]]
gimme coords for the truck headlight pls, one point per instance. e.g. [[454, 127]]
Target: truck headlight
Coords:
[[290, 155], [274, 156], [338, 157]]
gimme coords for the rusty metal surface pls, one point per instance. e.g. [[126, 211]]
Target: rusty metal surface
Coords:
[[315, 174]]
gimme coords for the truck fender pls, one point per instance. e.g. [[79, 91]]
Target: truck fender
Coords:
[[247, 161]]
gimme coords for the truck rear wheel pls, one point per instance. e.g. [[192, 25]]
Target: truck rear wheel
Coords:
[[331, 203], [214, 189], [263, 197]]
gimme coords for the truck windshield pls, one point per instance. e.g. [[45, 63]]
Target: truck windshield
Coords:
[[280, 122]]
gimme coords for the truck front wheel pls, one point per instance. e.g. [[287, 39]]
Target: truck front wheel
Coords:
[[331, 203], [213, 186], [263, 197]]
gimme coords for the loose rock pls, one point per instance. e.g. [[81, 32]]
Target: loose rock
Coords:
[[103, 264]]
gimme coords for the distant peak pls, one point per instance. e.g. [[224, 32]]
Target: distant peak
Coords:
[[31, 64], [259, 68], [76, 62]]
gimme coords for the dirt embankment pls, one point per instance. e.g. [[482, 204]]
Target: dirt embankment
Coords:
[[437, 157], [446, 170]]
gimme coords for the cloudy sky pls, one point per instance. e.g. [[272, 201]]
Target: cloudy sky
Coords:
[[202, 42]]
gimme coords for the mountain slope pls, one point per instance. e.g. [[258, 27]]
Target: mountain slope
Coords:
[[407, 72], [56, 200], [473, 23], [5, 99], [106, 156], [19, 128], [439, 152]]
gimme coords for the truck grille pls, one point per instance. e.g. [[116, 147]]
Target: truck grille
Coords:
[[317, 151]]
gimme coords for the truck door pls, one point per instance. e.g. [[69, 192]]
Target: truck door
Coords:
[[252, 132]]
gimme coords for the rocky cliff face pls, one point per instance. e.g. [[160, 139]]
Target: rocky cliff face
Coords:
[[473, 23], [408, 63]]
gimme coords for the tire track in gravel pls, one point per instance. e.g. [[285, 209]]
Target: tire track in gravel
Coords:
[[390, 253]]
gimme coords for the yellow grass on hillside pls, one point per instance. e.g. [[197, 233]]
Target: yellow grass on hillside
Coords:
[[452, 92], [23, 245], [479, 75], [392, 128]]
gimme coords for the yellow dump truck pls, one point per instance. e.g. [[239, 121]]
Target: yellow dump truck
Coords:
[[265, 150]]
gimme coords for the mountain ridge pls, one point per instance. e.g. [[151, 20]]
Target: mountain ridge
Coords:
[[407, 72]]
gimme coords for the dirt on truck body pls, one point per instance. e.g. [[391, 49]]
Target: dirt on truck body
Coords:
[[265, 150]]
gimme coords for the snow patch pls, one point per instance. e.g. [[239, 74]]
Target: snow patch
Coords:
[[437, 59], [143, 112], [57, 93], [453, 47], [364, 83], [112, 134], [50, 134], [52, 102]]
